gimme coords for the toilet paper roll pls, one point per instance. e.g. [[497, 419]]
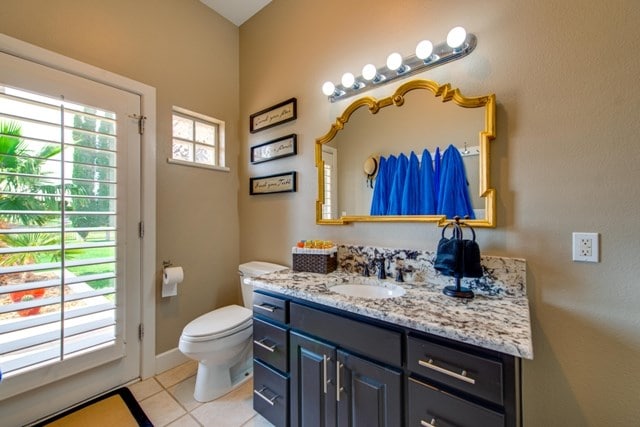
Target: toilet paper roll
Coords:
[[171, 277]]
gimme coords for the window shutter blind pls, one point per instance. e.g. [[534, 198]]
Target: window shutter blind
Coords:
[[58, 264]]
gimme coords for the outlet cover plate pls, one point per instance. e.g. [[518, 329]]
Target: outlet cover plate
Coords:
[[586, 247]]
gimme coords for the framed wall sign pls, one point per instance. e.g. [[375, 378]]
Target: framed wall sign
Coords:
[[279, 183], [275, 149], [273, 116]]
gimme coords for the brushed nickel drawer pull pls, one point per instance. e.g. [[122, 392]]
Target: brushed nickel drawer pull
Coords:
[[325, 359], [271, 348], [430, 424], [339, 389], [265, 398], [266, 307], [462, 376]]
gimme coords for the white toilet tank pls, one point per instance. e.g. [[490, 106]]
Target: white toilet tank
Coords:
[[253, 269]]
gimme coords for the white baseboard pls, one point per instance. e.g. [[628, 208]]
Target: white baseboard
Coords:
[[169, 359]]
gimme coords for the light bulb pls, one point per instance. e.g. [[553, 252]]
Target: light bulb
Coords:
[[424, 49], [456, 37], [348, 80], [328, 88], [369, 72], [394, 61]]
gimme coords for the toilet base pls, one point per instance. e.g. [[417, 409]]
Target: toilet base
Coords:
[[213, 381]]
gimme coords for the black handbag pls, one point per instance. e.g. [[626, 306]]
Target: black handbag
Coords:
[[456, 256], [448, 256], [471, 266]]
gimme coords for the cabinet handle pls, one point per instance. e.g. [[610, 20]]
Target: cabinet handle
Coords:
[[270, 401], [325, 359], [339, 389], [461, 376], [266, 307], [271, 348], [428, 424]]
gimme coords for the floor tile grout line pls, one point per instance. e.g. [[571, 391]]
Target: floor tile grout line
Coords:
[[172, 397], [186, 411], [175, 399]]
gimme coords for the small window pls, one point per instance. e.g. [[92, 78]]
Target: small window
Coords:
[[198, 140]]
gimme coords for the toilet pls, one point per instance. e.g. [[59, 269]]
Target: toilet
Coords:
[[221, 340]]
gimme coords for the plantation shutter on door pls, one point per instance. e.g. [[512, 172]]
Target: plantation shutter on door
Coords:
[[58, 231]]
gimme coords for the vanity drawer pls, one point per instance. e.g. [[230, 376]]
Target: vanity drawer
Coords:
[[430, 407], [270, 394], [270, 344], [476, 375], [270, 307], [368, 340]]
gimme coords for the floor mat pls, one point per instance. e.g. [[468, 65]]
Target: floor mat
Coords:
[[116, 408]]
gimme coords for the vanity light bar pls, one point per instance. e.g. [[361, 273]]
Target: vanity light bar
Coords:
[[458, 45]]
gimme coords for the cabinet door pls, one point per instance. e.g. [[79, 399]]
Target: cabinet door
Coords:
[[368, 394], [313, 392]]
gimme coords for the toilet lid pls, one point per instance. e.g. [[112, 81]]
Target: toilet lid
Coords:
[[218, 323]]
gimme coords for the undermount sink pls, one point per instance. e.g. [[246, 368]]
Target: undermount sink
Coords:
[[369, 291]]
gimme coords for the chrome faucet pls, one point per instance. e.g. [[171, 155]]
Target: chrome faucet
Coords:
[[400, 269], [365, 269], [380, 267]]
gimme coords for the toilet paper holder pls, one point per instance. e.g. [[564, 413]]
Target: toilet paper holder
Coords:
[[166, 264]]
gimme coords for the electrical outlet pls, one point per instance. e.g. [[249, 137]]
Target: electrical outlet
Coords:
[[585, 247]]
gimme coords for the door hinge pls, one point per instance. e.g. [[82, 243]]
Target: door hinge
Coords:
[[141, 229], [140, 120], [140, 332]]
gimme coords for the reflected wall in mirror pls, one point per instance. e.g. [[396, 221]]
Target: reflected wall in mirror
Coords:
[[422, 114]]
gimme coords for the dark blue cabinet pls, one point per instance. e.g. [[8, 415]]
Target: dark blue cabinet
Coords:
[[313, 391], [368, 394], [332, 386], [316, 366], [271, 358]]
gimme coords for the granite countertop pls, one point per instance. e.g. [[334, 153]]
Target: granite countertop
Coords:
[[496, 321]]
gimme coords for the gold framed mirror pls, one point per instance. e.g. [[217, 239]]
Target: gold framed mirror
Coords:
[[343, 156]]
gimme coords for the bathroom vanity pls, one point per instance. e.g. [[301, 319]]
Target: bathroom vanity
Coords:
[[420, 359]]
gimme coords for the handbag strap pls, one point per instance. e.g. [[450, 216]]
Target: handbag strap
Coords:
[[457, 230]]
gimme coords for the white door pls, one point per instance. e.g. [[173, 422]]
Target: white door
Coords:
[[69, 245]]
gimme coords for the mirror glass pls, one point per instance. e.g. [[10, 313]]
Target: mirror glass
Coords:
[[420, 115]]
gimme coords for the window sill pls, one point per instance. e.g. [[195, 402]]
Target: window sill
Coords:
[[199, 165]]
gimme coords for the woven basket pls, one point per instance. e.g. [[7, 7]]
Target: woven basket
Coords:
[[322, 262]]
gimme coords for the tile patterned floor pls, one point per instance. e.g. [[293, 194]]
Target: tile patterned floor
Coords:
[[167, 399]]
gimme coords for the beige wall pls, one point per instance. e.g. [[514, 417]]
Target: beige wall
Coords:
[[190, 55], [565, 159]]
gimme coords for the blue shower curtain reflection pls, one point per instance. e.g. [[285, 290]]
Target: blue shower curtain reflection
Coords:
[[380, 194], [410, 204], [453, 194], [427, 205], [429, 186], [395, 196]]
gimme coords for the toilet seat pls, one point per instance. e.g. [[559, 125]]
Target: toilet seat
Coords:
[[218, 324]]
